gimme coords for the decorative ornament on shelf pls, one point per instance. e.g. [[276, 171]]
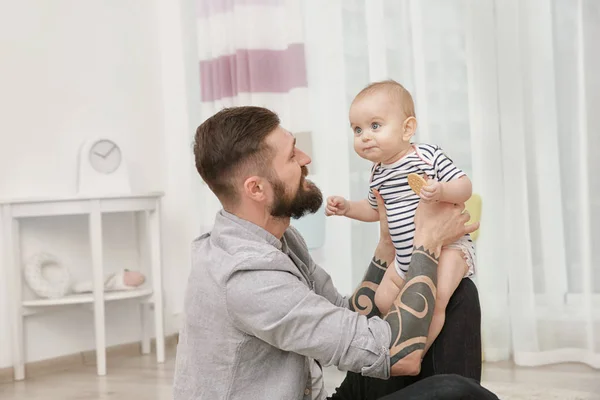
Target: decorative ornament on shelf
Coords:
[[54, 283], [102, 168], [122, 280]]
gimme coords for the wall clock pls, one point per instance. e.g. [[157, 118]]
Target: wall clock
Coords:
[[102, 168]]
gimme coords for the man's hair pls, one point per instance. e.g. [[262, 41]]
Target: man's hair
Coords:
[[396, 92], [231, 143]]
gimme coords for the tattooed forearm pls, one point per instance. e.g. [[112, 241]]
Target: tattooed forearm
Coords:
[[411, 313], [363, 299]]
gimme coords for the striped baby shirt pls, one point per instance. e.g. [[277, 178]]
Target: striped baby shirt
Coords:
[[401, 202]]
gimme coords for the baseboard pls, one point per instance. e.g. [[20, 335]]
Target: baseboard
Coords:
[[70, 361]]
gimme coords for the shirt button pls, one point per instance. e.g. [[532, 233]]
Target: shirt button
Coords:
[[306, 392]]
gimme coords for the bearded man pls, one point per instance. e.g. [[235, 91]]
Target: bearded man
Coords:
[[262, 319]]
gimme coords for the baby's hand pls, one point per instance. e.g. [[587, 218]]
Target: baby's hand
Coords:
[[432, 191], [336, 205]]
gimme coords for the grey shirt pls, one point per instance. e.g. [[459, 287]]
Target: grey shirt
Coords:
[[258, 310]]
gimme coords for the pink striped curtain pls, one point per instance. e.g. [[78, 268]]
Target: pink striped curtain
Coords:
[[252, 53]]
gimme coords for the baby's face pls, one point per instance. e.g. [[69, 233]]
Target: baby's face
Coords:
[[377, 122]]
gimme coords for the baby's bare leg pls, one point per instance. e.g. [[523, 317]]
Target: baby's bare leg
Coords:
[[388, 289], [449, 277]]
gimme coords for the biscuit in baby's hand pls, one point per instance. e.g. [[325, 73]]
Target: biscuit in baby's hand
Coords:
[[416, 183]]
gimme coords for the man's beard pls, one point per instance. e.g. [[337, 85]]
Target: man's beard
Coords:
[[307, 199]]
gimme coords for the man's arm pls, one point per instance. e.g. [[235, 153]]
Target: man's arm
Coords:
[[276, 307], [363, 299], [411, 313], [436, 224]]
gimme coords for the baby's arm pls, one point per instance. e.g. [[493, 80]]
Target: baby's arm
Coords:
[[451, 184], [362, 211], [359, 210], [457, 191]]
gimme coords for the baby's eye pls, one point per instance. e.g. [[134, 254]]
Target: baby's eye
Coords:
[[358, 130], [375, 125]]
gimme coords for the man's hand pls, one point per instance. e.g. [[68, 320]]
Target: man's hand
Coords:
[[439, 224], [336, 205]]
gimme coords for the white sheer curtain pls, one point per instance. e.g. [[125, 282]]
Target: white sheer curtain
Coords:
[[507, 88], [548, 86]]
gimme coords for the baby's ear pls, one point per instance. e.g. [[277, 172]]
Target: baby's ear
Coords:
[[410, 127]]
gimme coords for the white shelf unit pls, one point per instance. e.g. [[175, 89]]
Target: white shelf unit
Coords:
[[88, 298], [145, 205]]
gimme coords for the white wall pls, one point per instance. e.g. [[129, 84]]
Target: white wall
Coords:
[[71, 70], [181, 110]]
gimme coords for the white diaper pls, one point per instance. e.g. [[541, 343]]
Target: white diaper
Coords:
[[463, 244], [468, 249]]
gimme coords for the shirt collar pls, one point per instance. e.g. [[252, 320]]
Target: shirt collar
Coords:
[[253, 228]]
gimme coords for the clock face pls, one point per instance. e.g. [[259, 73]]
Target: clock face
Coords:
[[105, 156]]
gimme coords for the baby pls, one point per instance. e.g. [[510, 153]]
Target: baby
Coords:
[[383, 119]]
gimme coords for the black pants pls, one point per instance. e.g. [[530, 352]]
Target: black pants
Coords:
[[451, 368]]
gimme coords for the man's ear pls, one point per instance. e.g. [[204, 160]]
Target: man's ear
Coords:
[[409, 128], [255, 188]]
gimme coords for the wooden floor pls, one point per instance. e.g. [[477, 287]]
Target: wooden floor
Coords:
[[139, 377]]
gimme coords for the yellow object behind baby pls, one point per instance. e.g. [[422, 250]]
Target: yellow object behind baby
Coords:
[[473, 206]]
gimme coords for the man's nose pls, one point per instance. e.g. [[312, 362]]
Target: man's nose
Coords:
[[302, 157]]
